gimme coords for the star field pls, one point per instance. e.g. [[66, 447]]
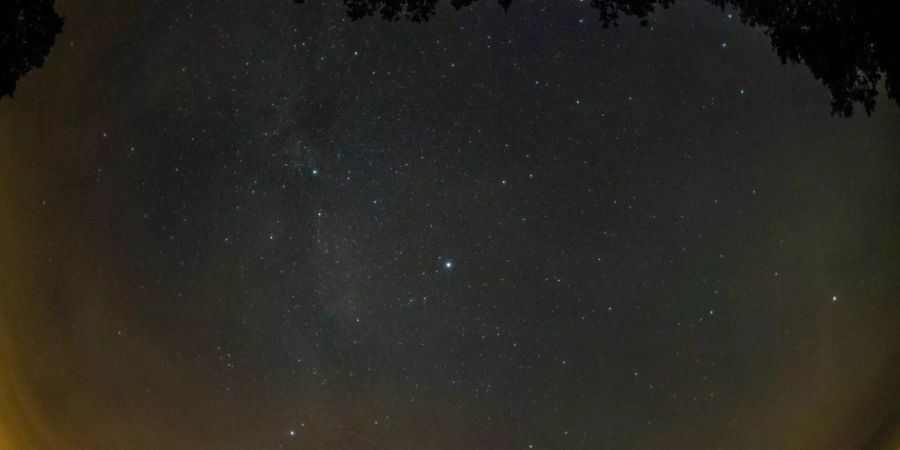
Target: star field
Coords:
[[229, 225]]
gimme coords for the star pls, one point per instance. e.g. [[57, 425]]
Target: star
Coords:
[[631, 214]]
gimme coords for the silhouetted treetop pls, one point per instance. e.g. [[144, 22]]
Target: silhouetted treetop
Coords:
[[850, 45], [415, 10], [28, 29]]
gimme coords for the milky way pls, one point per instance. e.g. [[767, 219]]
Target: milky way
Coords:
[[226, 225]]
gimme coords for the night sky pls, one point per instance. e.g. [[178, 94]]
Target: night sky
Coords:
[[261, 225]]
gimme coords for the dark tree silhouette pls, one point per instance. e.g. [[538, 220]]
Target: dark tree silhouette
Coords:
[[850, 45], [415, 10], [28, 29]]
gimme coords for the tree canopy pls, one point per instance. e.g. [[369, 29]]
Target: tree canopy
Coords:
[[28, 29]]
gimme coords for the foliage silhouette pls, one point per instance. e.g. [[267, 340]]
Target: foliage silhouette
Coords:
[[28, 29], [850, 45], [847, 44]]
